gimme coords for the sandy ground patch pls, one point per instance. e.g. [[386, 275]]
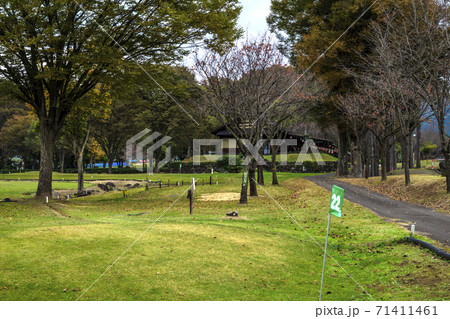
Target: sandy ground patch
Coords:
[[219, 197]]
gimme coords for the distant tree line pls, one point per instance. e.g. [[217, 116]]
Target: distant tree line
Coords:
[[387, 67]]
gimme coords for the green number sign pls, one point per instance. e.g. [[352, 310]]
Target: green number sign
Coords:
[[337, 199]]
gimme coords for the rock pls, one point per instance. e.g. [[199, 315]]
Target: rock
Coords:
[[82, 195], [111, 185], [233, 214], [103, 187], [136, 185], [8, 200], [140, 214]]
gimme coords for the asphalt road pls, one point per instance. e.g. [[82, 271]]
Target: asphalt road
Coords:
[[428, 222]]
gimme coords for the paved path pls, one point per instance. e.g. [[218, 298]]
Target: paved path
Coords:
[[433, 224]]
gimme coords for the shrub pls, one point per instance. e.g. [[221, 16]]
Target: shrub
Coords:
[[224, 164]]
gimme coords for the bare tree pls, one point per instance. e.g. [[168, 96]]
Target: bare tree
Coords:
[[417, 34], [372, 108], [250, 89], [94, 106], [389, 59], [388, 101]]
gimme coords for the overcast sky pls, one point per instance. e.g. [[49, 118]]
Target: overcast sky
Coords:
[[253, 16], [252, 20]]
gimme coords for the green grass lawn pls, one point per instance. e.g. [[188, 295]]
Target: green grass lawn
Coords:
[[25, 189], [55, 252], [92, 177]]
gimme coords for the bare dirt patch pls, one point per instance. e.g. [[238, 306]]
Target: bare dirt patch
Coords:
[[219, 197]]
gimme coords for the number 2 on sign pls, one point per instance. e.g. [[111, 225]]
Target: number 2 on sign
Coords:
[[336, 202]]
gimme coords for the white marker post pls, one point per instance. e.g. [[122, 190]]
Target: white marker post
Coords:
[[337, 199]]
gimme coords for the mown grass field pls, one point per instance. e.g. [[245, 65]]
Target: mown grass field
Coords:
[[426, 189], [55, 252], [25, 189], [92, 177]]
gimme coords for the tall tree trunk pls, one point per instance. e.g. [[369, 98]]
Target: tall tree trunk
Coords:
[[388, 158], [418, 137], [274, 165], [48, 139], [244, 186], [357, 161], [156, 158], [252, 178], [407, 149], [344, 146], [260, 175], [62, 155], [445, 144], [447, 169], [110, 164], [402, 146], [376, 158], [367, 166], [80, 173], [411, 152], [383, 155], [80, 165], [394, 154]]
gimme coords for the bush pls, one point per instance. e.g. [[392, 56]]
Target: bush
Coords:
[[224, 164], [311, 167]]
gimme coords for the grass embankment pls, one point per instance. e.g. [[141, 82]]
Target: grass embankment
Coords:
[[425, 190], [55, 252], [17, 185]]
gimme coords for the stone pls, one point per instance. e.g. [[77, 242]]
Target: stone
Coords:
[[8, 200], [233, 214], [111, 185], [103, 187]]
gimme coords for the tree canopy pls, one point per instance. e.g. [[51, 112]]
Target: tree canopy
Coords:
[[55, 51]]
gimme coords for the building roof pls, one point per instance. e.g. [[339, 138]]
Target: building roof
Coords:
[[222, 132]]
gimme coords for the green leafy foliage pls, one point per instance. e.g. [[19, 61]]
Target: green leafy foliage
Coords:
[[224, 163], [56, 51], [427, 148]]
